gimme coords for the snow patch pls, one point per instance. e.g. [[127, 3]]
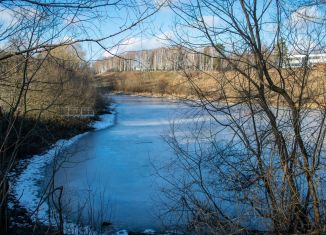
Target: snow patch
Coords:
[[107, 120], [122, 232], [149, 231], [26, 187]]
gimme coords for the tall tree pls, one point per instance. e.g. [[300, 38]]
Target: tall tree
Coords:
[[33, 28], [269, 165]]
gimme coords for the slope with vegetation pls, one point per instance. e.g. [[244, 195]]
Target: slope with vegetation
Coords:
[[55, 100]]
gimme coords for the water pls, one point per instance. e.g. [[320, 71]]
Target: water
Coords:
[[109, 175]]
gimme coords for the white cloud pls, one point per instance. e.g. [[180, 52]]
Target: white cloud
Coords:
[[211, 21], [139, 43], [270, 27], [68, 39], [11, 16], [7, 16], [160, 3], [305, 29], [301, 15]]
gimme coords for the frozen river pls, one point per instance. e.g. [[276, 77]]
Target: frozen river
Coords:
[[109, 173]]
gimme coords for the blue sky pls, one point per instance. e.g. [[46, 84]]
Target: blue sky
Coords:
[[90, 24], [151, 33], [156, 30]]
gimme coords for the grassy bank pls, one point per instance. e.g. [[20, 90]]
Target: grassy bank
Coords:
[[215, 86], [153, 83]]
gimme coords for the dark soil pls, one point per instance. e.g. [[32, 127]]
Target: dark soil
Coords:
[[37, 136]]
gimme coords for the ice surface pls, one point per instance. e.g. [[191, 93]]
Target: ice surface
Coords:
[[26, 187], [110, 170]]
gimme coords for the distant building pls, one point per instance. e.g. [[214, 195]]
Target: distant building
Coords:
[[297, 61], [202, 59]]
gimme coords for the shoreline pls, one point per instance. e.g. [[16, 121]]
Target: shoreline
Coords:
[[27, 190], [149, 95], [24, 198]]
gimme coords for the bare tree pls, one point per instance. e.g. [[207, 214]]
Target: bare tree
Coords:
[[31, 34], [259, 161]]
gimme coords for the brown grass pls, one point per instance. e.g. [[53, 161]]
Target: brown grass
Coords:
[[215, 85]]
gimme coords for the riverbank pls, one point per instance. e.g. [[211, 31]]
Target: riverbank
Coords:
[[26, 190], [150, 95], [115, 163], [156, 83], [213, 86], [38, 150]]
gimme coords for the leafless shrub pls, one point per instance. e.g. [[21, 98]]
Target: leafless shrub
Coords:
[[43, 68], [259, 162]]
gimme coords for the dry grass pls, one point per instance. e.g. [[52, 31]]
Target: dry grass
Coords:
[[217, 86], [153, 82]]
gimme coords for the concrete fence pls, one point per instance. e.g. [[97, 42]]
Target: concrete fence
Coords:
[[76, 111]]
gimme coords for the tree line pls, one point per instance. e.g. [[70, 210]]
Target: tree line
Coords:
[[163, 59]]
